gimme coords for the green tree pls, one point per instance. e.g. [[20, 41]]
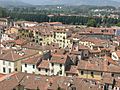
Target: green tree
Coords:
[[98, 25], [91, 23], [2, 12], [118, 24]]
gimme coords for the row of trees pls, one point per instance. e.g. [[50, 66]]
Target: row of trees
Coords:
[[75, 20], [29, 17], [2, 12]]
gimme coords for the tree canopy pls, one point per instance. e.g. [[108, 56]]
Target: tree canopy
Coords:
[[91, 23], [2, 12]]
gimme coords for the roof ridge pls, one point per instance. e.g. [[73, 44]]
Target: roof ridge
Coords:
[[12, 56], [8, 75]]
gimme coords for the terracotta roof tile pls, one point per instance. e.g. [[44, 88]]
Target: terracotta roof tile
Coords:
[[73, 70], [20, 41], [12, 55], [44, 64], [32, 81], [56, 58], [118, 53], [32, 60]]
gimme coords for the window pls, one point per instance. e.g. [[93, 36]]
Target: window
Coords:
[[25, 65], [85, 54], [36, 41], [3, 62], [33, 72], [82, 72], [9, 70], [39, 33], [60, 72], [15, 69], [52, 71], [112, 75], [9, 64], [101, 73], [4, 70], [46, 70], [60, 65], [73, 88], [39, 69], [36, 32], [41, 44], [92, 74], [52, 64], [41, 39], [33, 66], [33, 40], [25, 71]]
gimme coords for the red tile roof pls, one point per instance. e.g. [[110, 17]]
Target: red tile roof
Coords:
[[73, 70], [44, 64], [20, 41], [118, 53], [2, 75], [12, 55], [32, 81], [32, 60], [60, 59]]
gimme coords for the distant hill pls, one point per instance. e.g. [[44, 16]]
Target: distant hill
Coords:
[[75, 2], [7, 3]]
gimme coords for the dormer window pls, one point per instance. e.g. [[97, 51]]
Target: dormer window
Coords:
[[55, 51], [62, 57], [91, 32], [102, 30]]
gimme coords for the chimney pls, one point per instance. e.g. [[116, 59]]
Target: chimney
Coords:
[[2, 51]]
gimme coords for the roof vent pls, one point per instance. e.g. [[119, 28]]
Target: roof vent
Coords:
[[8, 78], [90, 87], [47, 80], [37, 78], [118, 77], [65, 83], [21, 53], [68, 84], [27, 77]]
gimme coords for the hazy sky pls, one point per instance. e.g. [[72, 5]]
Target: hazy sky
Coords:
[[38, 1]]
